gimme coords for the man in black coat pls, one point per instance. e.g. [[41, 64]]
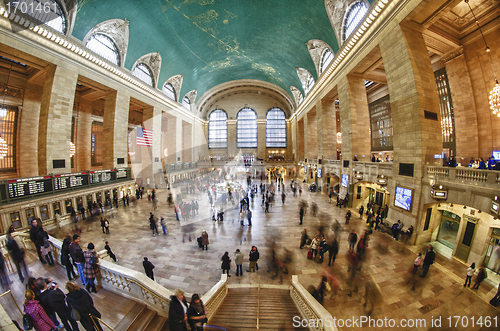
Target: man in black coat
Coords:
[[56, 301], [428, 260], [17, 256], [148, 268], [333, 250], [177, 316], [34, 239], [41, 283]]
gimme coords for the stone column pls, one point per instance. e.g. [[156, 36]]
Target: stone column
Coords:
[[187, 141], [328, 130], [56, 109], [83, 135], [301, 137], [290, 146], [27, 157], [171, 138], [178, 139], [464, 107], [151, 156], [115, 128], [415, 112], [294, 140], [261, 139], [311, 135], [231, 138]]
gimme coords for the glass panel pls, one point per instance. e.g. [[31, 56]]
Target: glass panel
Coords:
[[15, 219], [186, 103], [326, 59], [142, 72], [96, 143], [246, 128], [309, 84], [44, 212], [57, 208], [446, 107], [8, 132], [381, 124], [168, 90], [276, 128], [448, 232], [46, 11], [30, 214], [217, 129], [356, 13], [104, 46]]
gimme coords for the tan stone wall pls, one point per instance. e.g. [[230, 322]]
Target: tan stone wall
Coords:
[[83, 139], [115, 128], [27, 157], [55, 119], [301, 139], [169, 133], [187, 142], [328, 128], [464, 108], [261, 139], [312, 135]]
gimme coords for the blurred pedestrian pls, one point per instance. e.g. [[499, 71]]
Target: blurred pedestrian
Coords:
[[470, 273], [481, 275], [110, 253], [148, 268]]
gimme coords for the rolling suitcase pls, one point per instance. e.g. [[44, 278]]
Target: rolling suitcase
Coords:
[[310, 255], [199, 241]]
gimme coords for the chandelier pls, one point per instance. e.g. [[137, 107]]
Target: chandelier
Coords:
[[495, 92]]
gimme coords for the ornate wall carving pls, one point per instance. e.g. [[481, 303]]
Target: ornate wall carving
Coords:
[[191, 95], [117, 30], [304, 77], [316, 48], [153, 61], [336, 10], [297, 95], [176, 82]]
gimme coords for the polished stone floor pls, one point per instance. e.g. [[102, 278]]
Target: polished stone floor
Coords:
[[181, 264]]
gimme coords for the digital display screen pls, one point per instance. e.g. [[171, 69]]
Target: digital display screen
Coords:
[[496, 155], [319, 173], [62, 182], [17, 188], [494, 207], [345, 180], [102, 176], [305, 169], [403, 198]]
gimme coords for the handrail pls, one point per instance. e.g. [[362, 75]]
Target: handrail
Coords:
[[147, 290], [100, 320], [10, 292]]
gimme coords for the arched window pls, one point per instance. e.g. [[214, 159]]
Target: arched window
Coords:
[[353, 18], [301, 98], [309, 84], [186, 103], [142, 72], [246, 128], [169, 91], [326, 58], [276, 128], [104, 46], [49, 12], [217, 129]]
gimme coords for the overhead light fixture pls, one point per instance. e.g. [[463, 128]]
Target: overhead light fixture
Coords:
[[495, 92]]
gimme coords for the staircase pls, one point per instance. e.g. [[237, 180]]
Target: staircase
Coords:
[[142, 318], [238, 311]]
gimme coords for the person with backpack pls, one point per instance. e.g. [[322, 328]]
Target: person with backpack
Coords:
[[91, 269]]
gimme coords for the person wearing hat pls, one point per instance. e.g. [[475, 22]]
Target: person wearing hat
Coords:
[[177, 312]]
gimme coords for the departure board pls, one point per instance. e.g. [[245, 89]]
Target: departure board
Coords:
[[102, 176], [62, 182], [22, 187]]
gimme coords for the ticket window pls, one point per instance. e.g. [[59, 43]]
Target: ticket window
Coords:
[[57, 208], [68, 204], [79, 202], [15, 219], [115, 193], [89, 199], [44, 212], [30, 214], [99, 196]]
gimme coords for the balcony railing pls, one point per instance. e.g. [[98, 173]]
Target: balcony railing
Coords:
[[174, 167], [463, 175]]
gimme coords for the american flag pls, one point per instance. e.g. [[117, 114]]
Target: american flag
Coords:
[[144, 137]]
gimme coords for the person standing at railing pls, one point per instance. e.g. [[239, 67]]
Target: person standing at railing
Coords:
[[82, 301], [77, 255], [197, 313], [45, 247], [65, 259], [177, 312], [34, 239], [91, 269]]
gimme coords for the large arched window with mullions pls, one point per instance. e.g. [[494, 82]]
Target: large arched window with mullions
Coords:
[[169, 91], [217, 129], [142, 72], [353, 18], [246, 128], [276, 128], [104, 46], [49, 12], [326, 58]]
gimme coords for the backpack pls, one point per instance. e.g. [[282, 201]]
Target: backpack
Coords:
[[46, 243], [93, 262]]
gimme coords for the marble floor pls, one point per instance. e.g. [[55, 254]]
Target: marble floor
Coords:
[[181, 264]]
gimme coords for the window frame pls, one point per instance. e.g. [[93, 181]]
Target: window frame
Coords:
[[219, 141], [245, 125], [63, 15], [274, 142], [322, 65], [171, 96], [115, 51], [96, 144], [149, 73], [185, 101], [358, 5]]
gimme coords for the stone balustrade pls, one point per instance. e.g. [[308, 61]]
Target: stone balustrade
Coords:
[[463, 175], [215, 296]]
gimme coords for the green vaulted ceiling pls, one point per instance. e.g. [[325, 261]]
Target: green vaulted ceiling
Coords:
[[214, 41]]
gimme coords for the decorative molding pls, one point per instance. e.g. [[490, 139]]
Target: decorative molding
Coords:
[[453, 54], [296, 94], [176, 82], [191, 95], [337, 11], [304, 76], [115, 29], [11, 91], [316, 48]]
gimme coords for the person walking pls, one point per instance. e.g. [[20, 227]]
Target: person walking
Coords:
[[41, 321], [56, 301], [17, 255], [91, 268], [106, 225], [470, 273], [238, 260], [361, 211], [481, 275], [103, 226], [226, 263], [110, 253], [417, 263], [249, 217], [82, 301], [352, 239], [45, 247], [301, 214], [152, 224], [347, 217], [333, 251], [163, 225], [148, 268], [428, 260]]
